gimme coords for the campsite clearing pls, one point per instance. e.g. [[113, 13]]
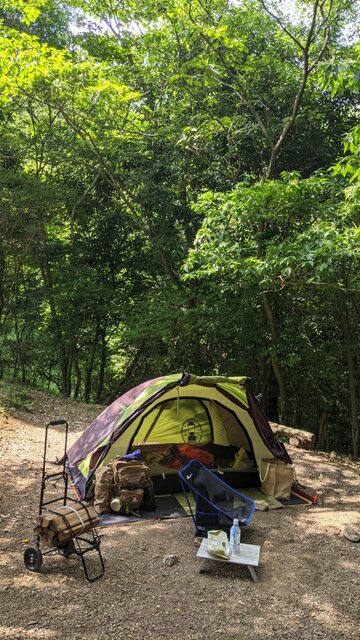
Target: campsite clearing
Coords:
[[309, 575]]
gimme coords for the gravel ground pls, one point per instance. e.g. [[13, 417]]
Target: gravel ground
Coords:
[[309, 574]]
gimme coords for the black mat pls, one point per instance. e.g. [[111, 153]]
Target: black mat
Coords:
[[166, 507]]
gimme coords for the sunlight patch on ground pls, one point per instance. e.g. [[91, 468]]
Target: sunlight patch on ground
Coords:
[[30, 632]]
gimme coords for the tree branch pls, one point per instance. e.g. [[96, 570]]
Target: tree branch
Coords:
[[235, 76], [281, 25], [305, 74]]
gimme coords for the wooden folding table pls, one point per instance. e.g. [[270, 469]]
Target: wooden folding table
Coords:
[[249, 555]]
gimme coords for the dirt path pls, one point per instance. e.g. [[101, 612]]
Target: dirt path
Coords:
[[309, 577]]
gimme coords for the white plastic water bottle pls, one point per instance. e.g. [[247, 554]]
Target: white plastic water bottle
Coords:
[[235, 535]]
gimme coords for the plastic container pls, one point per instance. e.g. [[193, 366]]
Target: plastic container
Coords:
[[235, 535]]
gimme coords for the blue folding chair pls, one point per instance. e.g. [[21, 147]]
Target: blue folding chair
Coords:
[[216, 503]]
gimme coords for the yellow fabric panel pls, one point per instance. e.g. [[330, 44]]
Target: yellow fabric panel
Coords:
[[118, 449], [235, 390], [147, 393], [84, 466], [259, 447], [235, 435], [220, 434], [173, 421]]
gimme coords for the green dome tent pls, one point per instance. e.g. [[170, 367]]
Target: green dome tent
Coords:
[[215, 414]]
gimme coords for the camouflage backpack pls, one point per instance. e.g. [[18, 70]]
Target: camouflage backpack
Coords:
[[131, 477]]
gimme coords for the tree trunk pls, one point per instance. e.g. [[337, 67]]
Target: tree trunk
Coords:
[[322, 436], [90, 363], [49, 375], [2, 278], [297, 437], [63, 352], [128, 373], [283, 417], [276, 146], [103, 359], [66, 370], [19, 352], [77, 377], [349, 339], [19, 347]]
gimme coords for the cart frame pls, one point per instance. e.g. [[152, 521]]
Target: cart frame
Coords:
[[79, 544]]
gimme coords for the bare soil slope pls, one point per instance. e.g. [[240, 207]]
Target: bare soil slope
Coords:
[[309, 577]]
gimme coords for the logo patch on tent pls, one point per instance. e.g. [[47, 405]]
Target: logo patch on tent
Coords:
[[191, 431]]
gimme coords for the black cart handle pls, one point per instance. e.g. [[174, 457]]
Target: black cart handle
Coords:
[[54, 423]]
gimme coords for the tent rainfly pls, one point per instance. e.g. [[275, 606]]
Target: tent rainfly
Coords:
[[218, 415]]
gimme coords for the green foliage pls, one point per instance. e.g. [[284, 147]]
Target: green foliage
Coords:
[[138, 234], [305, 227], [14, 396], [299, 240], [27, 10], [343, 77]]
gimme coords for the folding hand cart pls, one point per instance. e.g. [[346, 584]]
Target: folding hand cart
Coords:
[[80, 542]]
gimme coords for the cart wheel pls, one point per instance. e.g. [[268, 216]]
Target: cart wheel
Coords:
[[33, 558], [67, 548]]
